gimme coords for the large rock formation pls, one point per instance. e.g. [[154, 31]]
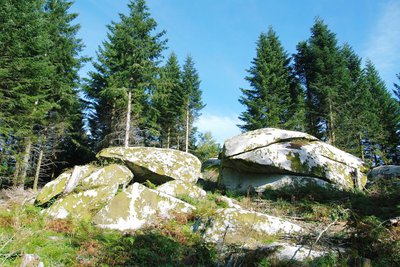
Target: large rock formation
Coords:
[[259, 157], [159, 165], [246, 228], [386, 172], [139, 206], [93, 188]]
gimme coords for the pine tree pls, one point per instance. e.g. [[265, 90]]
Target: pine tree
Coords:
[[386, 136], [169, 101], [396, 90], [125, 72], [356, 120], [63, 126], [269, 102], [323, 72], [192, 99], [25, 71]]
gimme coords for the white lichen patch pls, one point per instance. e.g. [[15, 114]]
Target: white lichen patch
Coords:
[[260, 138], [111, 174], [53, 188], [246, 228], [82, 205], [315, 159], [139, 206], [287, 252], [174, 164], [177, 188]]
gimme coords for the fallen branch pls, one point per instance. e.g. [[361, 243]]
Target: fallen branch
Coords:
[[320, 235]]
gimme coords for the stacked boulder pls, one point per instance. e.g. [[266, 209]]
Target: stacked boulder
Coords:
[[113, 196], [272, 158], [116, 196]]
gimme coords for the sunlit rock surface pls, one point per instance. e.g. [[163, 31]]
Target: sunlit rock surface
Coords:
[[244, 227], [178, 188], [159, 165], [263, 154], [139, 206]]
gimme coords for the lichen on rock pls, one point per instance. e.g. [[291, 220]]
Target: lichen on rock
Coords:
[[159, 165], [246, 228], [177, 188], [139, 206], [291, 153]]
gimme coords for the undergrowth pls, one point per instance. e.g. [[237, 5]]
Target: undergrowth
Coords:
[[369, 236]]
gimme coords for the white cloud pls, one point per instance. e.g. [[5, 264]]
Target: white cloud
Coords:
[[221, 127], [384, 41]]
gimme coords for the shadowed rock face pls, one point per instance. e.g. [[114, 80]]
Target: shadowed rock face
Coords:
[[267, 152], [158, 165], [384, 172]]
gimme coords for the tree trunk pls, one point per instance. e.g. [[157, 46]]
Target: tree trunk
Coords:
[[168, 136], [128, 118], [16, 171], [39, 162], [332, 137], [187, 131], [361, 146], [25, 161]]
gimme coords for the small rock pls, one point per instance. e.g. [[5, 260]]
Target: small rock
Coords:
[[31, 260]]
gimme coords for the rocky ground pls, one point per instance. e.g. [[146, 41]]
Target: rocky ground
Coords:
[[287, 199]]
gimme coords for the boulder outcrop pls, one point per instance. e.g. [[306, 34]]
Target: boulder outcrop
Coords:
[[159, 165], [139, 206], [92, 190], [386, 172], [246, 228], [256, 158]]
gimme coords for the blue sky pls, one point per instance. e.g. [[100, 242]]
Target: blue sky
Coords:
[[221, 34]]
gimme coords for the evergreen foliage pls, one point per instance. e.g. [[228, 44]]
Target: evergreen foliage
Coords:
[[274, 93], [193, 103], [126, 61], [40, 107]]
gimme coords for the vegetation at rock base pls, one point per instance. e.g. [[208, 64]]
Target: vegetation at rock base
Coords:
[[358, 223]]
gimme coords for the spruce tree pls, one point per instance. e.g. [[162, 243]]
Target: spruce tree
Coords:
[[192, 99], [25, 71], [64, 127], [323, 72], [356, 120], [269, 101], [169, 101], [124, 73], [385, 140], [396, 90]]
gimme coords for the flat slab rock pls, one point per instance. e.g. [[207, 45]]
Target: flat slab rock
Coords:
[[139, 206], [246, 228], [159, 165], [296, 153]]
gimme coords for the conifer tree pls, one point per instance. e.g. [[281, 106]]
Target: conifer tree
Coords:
[[125, 71], [396, 90], [169, 100], [192, 99], [269, 102], [323, 72], [25, 71], [386, 135], [356, 120], [64, 126]]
